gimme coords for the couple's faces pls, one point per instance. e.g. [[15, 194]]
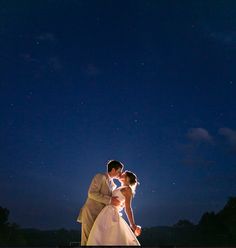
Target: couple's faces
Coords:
[[117, 173], [123, 178]]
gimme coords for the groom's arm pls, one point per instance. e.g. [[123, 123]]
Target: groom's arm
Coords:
[[94, 190]]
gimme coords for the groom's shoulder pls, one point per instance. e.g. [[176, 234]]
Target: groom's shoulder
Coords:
[[100, 175]]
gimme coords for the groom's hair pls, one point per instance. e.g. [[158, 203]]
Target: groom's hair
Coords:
[[114, 164]]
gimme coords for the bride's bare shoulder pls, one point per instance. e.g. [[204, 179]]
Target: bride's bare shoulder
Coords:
[[126, 190]]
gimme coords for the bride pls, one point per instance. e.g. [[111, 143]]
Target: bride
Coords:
[[109, 227]]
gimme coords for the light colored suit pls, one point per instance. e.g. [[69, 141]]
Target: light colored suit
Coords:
[[99, 195]]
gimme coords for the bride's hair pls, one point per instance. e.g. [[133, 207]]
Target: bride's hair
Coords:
[[133, 180]]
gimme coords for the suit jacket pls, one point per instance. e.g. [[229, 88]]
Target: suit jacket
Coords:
[[99, 195]]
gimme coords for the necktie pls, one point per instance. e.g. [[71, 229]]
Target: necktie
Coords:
[[110, 183]]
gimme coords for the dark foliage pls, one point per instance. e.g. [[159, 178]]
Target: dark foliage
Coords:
[[212, 229]]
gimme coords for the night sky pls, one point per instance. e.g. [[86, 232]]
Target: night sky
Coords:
[[149, 83]]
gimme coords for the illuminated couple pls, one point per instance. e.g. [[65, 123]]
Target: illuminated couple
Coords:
[[102, 223]]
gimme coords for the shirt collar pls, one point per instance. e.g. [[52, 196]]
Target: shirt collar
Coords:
[[108, 177]]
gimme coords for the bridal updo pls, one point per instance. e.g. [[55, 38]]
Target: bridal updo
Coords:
[[133, 180]]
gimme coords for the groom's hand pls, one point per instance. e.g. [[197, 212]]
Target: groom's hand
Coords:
[[115, 201]]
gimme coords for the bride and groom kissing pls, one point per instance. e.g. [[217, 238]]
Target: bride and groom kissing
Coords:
[[101, 218]]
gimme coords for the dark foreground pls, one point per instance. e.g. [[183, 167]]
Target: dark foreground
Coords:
[[213, 230]]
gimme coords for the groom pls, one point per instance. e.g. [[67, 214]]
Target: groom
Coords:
[[99, 195]]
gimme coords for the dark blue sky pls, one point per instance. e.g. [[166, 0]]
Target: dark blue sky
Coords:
[[149, 83]]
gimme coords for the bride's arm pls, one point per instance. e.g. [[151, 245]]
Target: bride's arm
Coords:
[[128, 207]]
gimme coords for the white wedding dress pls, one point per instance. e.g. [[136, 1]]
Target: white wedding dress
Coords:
[[110, 228]]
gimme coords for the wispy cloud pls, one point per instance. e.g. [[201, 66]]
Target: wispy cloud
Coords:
[[92, 70], [27, 57], [199, 148], [198, 140], [199, 135], [42, 65], [46, 37], [55, 63], [230, 136], [198, 162], [227, 38]]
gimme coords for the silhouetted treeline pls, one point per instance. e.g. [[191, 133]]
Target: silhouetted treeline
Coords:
[[10, 234], [212, 229]]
